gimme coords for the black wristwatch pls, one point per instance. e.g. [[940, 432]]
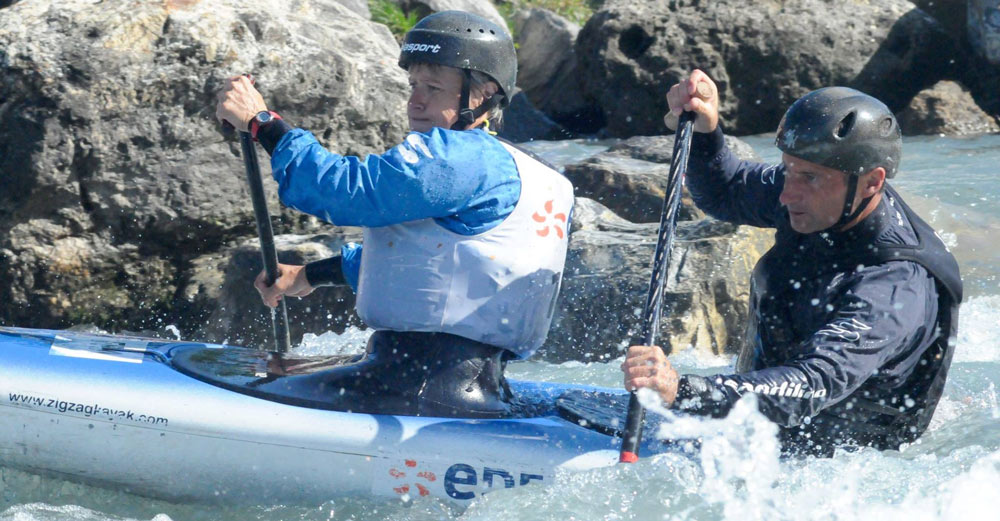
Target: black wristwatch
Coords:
[[262, 118]]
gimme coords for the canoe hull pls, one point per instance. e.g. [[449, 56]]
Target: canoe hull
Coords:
[[130, 421]]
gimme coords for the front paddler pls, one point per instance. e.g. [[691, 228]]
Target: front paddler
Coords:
[[465, 236], [854, 310]]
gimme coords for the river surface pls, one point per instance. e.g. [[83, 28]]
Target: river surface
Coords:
[[951, 473]]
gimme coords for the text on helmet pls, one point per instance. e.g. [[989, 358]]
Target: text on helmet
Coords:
[[421, 47]]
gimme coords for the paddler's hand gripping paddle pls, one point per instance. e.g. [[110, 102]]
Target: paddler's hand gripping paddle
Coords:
[[632, 435], [266, 234]]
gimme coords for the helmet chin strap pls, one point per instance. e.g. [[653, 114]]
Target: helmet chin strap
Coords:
[[847, 215], [466, 115]]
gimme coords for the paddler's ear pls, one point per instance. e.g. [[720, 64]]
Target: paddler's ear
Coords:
[[873, 182]]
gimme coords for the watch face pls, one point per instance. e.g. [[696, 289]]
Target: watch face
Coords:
[[263, 117]]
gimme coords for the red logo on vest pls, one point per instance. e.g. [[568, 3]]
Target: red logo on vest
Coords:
[[544, 219]]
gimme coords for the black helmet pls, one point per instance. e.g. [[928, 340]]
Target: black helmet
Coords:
[[470, 43], [463, 41], [842, 128]]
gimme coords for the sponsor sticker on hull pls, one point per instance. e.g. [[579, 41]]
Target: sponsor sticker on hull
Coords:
[[86, 409], [409, 479]]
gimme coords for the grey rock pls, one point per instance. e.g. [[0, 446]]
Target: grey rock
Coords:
[[951, 14], [946, 108], [110, 133], [546, 62], [607, 278], [762, 55], [523, 122], [221, 300], [56, 276], [630, 177], [591, 215], [545, 50], [981, 77], [984, 28], [632, 188], [482, 8], [358, 7]]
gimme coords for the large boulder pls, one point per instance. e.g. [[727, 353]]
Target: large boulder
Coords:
[[763, 55], [981, 54], [56, 276], [545, 52], [546, 67], [946, 108], [110, 140], [523, 122], [609, 262], [483, 8], [630, 177], [984, 29], [952, 15], [607, 278], [219, 297], [982, 78], [359, 7]]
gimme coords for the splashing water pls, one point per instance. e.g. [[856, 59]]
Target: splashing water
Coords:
[[351, 342], [173, 329], [738, 456], [978, 329]]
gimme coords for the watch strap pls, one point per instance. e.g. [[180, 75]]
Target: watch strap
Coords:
[[255, 124]]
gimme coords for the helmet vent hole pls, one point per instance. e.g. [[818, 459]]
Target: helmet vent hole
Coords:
[[886, 127], [469, 30], [482, 31], [846, 125], [492, 31]]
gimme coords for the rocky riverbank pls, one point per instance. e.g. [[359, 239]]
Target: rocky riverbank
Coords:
[[122, 204]]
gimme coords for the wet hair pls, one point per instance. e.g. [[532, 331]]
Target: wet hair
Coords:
[[479, 82]]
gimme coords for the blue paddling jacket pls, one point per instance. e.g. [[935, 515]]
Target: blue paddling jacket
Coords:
[[850, 334]]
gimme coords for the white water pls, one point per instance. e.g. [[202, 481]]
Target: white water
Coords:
[[952, 473]]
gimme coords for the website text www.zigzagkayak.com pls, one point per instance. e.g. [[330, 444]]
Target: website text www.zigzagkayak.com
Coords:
[[88, 411]]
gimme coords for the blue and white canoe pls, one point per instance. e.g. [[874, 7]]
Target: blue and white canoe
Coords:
[[142, 415]]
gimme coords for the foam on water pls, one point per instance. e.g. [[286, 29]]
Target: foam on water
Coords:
[[737, 476], [701, 361], [979, 330], [351, 342], [44, 512], [590, 373]]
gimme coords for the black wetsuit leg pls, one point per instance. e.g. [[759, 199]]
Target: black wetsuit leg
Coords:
[[418, 374]]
